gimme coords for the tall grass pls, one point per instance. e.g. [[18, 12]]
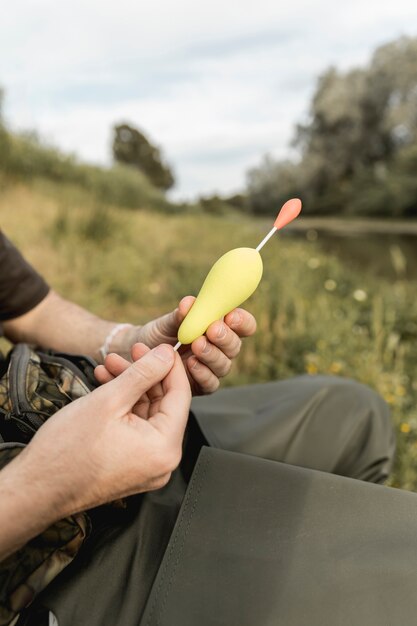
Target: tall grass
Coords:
[[314, 315]]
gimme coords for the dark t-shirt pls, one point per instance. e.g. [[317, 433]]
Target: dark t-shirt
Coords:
[[21, 287]]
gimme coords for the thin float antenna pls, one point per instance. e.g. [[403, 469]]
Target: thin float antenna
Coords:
[[267, 238]]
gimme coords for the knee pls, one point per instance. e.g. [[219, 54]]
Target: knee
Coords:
[[358, 403], [350, 393], [366, 418], [365, 403]]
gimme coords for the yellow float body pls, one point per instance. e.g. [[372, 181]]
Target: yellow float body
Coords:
[[231, 280]]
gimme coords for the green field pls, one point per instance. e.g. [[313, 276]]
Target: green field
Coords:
[[314, 315]]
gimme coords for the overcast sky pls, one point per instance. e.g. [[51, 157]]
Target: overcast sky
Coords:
[[215, 84]]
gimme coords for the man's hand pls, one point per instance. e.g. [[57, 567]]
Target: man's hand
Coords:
[[209, 357], [123, 438], [51, 325]]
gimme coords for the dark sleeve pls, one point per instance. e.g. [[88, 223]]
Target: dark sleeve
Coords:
[[21, 287]]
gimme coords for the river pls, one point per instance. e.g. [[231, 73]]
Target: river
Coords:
[[369, 246]]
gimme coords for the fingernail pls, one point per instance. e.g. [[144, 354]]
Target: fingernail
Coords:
[[163, 353], [221, 332], [206, 348], [236, 318], [195, 365]]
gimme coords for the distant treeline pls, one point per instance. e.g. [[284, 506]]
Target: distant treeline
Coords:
[[358, 148]]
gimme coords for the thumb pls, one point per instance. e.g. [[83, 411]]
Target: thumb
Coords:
[[165, 328], [122, 393], [169, 324]]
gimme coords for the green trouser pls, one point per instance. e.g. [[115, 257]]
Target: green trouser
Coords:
[[255, 541]]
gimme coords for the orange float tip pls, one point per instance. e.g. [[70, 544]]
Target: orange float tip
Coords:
[[289, 211]]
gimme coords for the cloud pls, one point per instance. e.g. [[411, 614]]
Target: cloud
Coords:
[[216, 84]]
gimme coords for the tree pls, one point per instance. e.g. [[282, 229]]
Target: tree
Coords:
[[393, 76], [360, 122], [356, 147], [271, 184], [131, 147]]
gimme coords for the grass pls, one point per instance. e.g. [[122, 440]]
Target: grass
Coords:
[[24, 158], [314, 315]]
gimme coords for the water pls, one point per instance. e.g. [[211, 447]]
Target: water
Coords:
[[392, 257]]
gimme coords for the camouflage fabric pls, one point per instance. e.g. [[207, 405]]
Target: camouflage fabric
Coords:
[[29, 570], [35, 385]]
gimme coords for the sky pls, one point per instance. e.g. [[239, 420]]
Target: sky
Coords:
[[216, 85]]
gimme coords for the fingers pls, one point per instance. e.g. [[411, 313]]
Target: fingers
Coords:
[[175, 404], [164, 329], [125, 391], [185, 305], [206, 381], [102, 375], [167, 325], [220, 335], [114, 365], [241, 322], [155, 393], [212, 356], [226, 334], [138, 350]]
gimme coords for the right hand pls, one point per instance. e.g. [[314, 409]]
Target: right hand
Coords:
[[123, 438]]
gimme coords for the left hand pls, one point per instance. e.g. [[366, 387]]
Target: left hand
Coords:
[[209, 357]]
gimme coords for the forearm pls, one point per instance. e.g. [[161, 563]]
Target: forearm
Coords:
[[61, 325], [25, 512]]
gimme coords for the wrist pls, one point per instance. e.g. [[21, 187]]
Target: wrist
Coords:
[[119, 339]]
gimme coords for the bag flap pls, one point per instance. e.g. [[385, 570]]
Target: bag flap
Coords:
[[261, 542]]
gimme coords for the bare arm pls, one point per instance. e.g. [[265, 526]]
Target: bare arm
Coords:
[[58, 324]]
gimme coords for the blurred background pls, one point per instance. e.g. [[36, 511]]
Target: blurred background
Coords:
[[138, 143]]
